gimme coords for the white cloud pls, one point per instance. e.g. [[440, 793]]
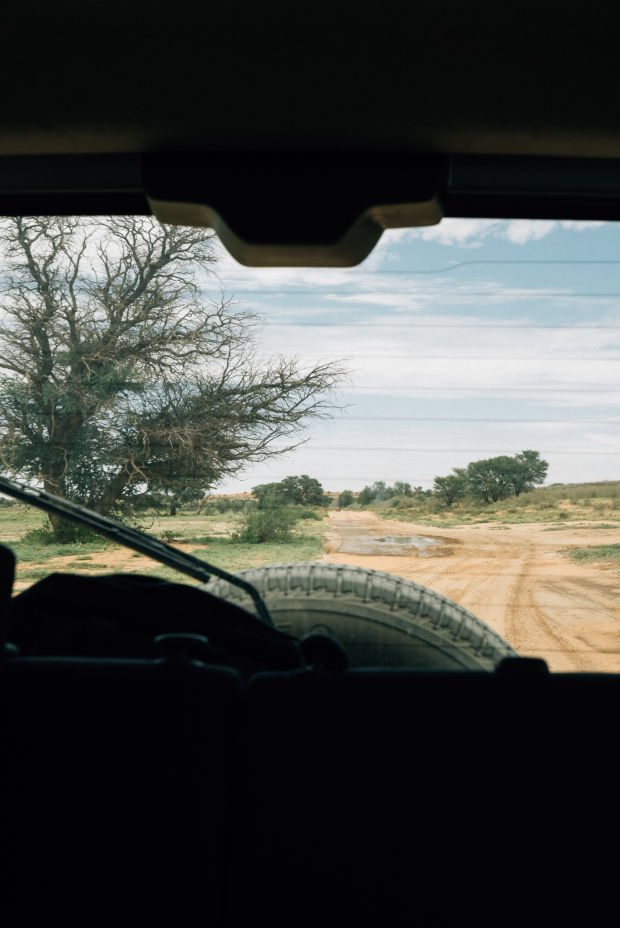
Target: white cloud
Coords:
[[470, 233], [580, 225], [521, 231], [464, 232]]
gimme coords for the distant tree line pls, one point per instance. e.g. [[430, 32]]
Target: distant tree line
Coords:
[[487, 480], [493, 479], [381, 491], [301, 490]]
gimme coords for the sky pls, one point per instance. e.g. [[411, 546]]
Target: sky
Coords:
[[465, 340]]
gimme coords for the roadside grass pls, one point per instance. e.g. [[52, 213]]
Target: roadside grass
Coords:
[[233, 556], [29, 553], [606, 553], [16, 520], [591, 527], [211, 537]]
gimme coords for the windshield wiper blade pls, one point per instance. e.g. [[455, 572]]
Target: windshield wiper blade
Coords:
[[131, 538]]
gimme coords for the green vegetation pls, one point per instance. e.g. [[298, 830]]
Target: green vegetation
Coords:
[[228, 505], [452, 488], [264, 525], [492, 479], [609, 553], [346, 498], [559, 503], [68, 533], [381, 491], [596, 526], [237, 555], [300, 491], [229, 539]]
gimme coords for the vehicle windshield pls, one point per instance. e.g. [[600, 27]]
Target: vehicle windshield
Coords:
[[445, 413]]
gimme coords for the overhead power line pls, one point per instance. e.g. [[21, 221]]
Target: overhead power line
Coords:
[[464, 390], [504, 421], [392, 324], [430, 450]]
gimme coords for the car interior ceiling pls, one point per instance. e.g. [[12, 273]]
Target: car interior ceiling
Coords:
[[157, 758]]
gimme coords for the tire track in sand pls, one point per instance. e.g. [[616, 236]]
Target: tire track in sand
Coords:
[[514, 581]]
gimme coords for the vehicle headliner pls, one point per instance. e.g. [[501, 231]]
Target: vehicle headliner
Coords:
[[354, 107]]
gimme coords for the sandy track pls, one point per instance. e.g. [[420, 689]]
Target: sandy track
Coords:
[[514, 578]]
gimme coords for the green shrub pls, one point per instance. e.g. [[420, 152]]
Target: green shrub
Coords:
[[346, 498], [596, 553], [35, 573], [38, 537], [203, 539], [265, 525], [309, 514], [228, 504], [67, 533], [170, 537], [403, 502]]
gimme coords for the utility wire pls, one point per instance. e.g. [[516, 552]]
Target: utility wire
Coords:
[[430, 450], [345, 418], [392, 324]]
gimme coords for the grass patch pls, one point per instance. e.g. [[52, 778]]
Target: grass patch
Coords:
[[26, 553], [203, 539], [305, 542], [608, 553], [34, 573], [235, 556], [583, 528], [38, 537]]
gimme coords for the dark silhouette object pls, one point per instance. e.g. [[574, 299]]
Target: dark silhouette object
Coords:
[[7, 575]]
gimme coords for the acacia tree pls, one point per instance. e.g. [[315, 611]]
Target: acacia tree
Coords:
[[529, 470], [489, 479], [121, 378], [452, 488], [496, 478], [299, 490]]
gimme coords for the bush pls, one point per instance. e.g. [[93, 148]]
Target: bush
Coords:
[[401, 502], [309, 514], [265, 525], [366, 496], [303, 490], [38, 537], [203, 540], [346, 498], [170, 537], [68, 533], [228, 504]]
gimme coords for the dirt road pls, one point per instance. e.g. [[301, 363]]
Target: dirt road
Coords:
[[511, 576]]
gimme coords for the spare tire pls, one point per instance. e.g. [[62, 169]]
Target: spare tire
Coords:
[[382, 620]]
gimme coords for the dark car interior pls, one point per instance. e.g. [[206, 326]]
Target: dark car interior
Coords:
[[149, 756]]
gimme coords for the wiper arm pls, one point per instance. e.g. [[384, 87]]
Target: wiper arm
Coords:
[[131, 538]]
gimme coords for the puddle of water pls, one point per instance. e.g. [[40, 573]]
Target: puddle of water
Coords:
[[390, 545]]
